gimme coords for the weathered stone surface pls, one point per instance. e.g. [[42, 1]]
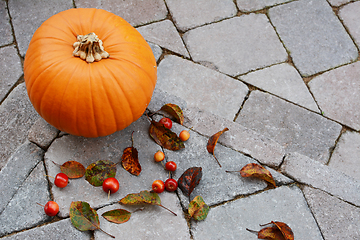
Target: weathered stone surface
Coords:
[[337, 93], [20, 164], [202, 12], [346, 156], [16, 116], [27, 16], [160, 98], [297, 129], [336, 219], [22, 211], [5, 27], [284, 81], [136, 12], [157, 51], [153, 222], [254, 5], [314, 36], [350, 16], [10, 69], [306, 170], [201, 87], [284, 204], [250, 43], [164, 34], [339, 2], [55, 231], [42, 133], [90, 150]]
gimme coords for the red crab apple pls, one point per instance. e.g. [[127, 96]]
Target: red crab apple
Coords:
[[171, 185], [110, 185], [158, 186], [166, 122], [61, 180], [170, 166], [51, 208]]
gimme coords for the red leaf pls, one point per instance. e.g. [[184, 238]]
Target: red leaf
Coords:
[[213, 141], [284, 228], [272, 233], [130, 160], [189, 180]]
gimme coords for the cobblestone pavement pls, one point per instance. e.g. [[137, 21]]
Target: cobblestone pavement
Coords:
[[282, 75]]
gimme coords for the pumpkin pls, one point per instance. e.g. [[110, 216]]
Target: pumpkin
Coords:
[[88, 72]]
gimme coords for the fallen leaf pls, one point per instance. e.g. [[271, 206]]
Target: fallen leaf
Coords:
[[272, 233], [284, 228], [198, 209], [189, 180], [117, 216], [165, 137], [212, 143], [73, 169], [97, 172], [175, 111], [130, 161], [258, 171]]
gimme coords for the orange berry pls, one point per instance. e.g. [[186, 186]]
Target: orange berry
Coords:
[[159, 156], [184, 135]]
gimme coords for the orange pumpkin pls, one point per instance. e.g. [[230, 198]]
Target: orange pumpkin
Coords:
[[89, 85]]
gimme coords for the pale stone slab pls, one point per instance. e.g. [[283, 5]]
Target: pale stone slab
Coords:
[[285, 204], [42, 133], [346, 156], [336, 219], [10, 69], [250, 43], [202, 12], [157, 51], [254, 5], [284, 81], [306, 170], [136, 12], [201, 87], [27, 16], [337, 3], [5, 27], [313, 35], [337, 93], [165, 35], [295, 128], [153, 222], [350, 16]]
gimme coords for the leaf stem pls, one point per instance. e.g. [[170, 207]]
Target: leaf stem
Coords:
[[40, 204], [252, 231], [231, 171], [217, 160], [107, 233], [168, 209]]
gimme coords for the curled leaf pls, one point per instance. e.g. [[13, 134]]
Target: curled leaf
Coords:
[[189, 180], [272, 233], [73, 169], [213, 141], [165, 137], [198, 209], [256, 170], [117, 216], [130, 161], [284, 228], [175, 111], [97, 172]]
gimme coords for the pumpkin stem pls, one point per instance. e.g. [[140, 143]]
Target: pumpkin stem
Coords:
[[90, 48]]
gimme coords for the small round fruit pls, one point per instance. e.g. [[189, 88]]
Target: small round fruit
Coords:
[[170, 166], [61, 180], [51, 208], [171, 185], [110, 184], [184, 135], [166, 122], [159, 156], [158, 186]]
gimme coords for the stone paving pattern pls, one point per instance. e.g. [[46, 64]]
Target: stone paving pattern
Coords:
[[282, 75]]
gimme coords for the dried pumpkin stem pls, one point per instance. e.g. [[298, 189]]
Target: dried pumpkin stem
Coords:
[[90, 48]]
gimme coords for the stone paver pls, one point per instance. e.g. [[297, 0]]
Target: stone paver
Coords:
[[22, 211], [346, 156], [55, 231], [16, 117], [5, 27], [153, 222], [10, 69], [42, 133], [27, 16], [313, 35], [337, 3], [349, 14], [250, 43], [157, 51], [211, 11], [165, 35], [254, 5], [317, 175], [201, 87], [336, 92], [136, 12], [297, 129], [284, 81], [336, 219], [284, 204]]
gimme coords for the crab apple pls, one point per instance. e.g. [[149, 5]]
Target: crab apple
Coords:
[[171, 185], [51, 208], [166, 122], [61, 180], [158, 186], [170, 166], [110, 185], [159, 156], [184, 135]]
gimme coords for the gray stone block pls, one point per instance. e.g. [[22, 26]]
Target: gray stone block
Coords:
[[10, 69], [136, 12], [164, 34], [284, 81], [313, 35], [160, 98], [317, 175], [285, 204], [55, 231], [27, 16], [42, 133], [336, 93], [336, 219], [17, 115], [250, 43], [337, 3], [350, 16], [5, 27], [211, 11], [157, 51], [254, 5], [18, 168], [296, 129], [22, 212]]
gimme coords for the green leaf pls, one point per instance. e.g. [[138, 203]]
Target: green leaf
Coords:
[[83, 217], [198, 209], [97, 172], [144, 197], [117, 216], [175, 111], [165, 137]]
